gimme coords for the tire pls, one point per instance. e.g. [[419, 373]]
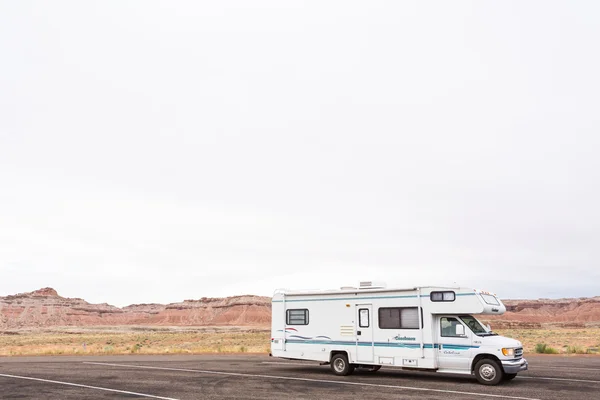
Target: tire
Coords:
[[508, 377], [340, 365], [488, 372]]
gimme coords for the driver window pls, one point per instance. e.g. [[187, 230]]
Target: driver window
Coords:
[[451, 327]]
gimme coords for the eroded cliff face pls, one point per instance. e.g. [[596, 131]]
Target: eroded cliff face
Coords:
[[46, 308], [573, 313]]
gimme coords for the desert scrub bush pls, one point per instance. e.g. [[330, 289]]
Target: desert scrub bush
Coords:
[[543, 348], [136, 348], [575, 350], [540, 348]]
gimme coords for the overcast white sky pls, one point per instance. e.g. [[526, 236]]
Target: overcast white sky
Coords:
[[160, 151]]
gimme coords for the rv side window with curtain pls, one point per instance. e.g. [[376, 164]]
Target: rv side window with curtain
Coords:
[[297, 317], [399, 318], [442, 296]]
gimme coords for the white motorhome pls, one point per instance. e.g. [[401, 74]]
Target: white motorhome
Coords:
[[421, 328]]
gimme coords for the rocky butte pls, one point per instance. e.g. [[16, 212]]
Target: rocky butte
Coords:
[[46, 308], [564, 313]]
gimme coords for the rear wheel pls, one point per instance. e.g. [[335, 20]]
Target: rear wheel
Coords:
[[488, 372], [508, 377], [340, 365]]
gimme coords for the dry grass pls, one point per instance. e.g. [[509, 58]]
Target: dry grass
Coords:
[[565, 340], [149, 340], [89, 342]]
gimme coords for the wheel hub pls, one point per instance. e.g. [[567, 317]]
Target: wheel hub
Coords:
[[339, 365], [487, 372]]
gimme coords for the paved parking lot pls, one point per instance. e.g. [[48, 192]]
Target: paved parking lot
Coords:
[[261, 377]]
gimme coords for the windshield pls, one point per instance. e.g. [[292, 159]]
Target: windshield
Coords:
[[475, 325]]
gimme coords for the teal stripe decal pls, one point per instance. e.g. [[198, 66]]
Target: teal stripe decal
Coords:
[[380, 344], [365, 298], [349, 298]]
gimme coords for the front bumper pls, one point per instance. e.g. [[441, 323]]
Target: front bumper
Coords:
[[514, 366]]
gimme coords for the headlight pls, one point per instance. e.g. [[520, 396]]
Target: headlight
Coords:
[[508, 352]]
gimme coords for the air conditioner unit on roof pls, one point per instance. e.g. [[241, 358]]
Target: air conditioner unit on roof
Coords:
[[371, 285]]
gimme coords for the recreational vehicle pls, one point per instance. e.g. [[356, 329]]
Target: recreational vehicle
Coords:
[[422, 328]]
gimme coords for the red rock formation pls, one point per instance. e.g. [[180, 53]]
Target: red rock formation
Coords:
[[557, 312], [45, 308]]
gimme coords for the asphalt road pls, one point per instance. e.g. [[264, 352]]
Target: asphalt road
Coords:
[[261, 377]]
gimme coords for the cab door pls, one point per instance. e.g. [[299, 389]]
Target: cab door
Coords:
[[454, 343]]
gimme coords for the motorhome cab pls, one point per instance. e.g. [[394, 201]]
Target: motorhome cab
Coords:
[[423, 328]]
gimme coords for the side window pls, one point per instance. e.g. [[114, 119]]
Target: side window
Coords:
[[451, 327], [297, 317], [488, 298], [363, 318], [409, 318], [399, 318], [442, 296], [389, 318]]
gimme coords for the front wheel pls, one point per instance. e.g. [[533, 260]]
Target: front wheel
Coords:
[[508, 377], [488, 372], [340, 365]]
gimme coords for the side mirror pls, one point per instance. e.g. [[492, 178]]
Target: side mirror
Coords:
[[460, 330], [489, 328]]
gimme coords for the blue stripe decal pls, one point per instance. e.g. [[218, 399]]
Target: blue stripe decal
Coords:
[[365, 298]]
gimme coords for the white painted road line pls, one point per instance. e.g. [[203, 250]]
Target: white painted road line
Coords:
[[557, 379], [567, 368], [291, 363], [526, 377], [87, 387], [291, 378]]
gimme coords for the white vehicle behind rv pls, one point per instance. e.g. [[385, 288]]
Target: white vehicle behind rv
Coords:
[[422, 328]]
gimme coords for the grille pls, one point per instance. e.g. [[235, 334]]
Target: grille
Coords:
[[518, 352]]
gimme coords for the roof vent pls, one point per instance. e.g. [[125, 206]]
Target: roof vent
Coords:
[[371, 285]]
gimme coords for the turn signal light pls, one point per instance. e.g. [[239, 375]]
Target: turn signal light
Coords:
[[508, 352]]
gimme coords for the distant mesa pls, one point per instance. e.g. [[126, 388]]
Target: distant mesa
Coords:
[[46, 308], [569, 313], [45, 292]]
